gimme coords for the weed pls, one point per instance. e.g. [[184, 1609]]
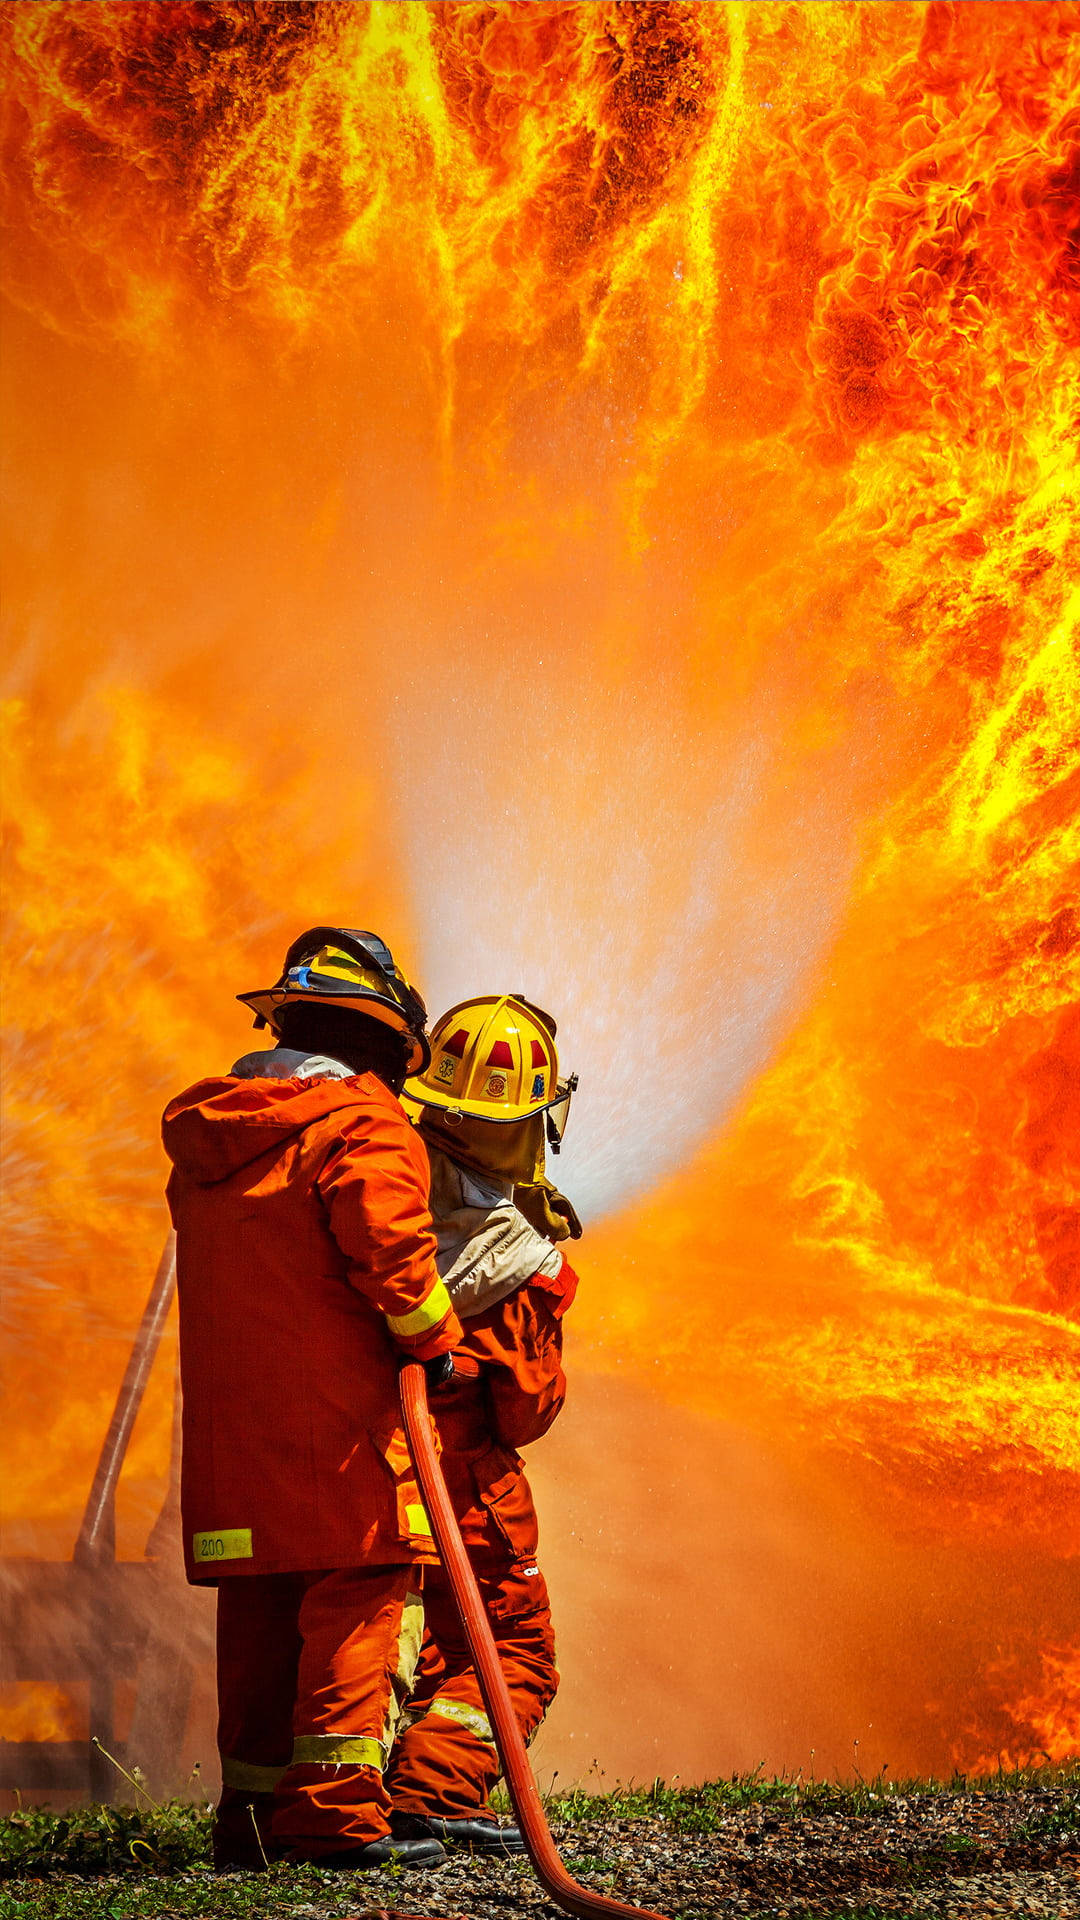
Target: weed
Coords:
[[104, 1840], [1054, 1823]]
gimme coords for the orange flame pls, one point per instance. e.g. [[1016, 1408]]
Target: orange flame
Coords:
[[602, 475], [32, 1710], [1040, 1726]]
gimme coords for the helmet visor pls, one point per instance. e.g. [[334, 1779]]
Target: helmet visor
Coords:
[[559, 1111]]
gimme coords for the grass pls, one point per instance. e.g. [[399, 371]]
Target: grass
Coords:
[[703, 1809], [194, 1895], [104, 1840], [123, 1863]]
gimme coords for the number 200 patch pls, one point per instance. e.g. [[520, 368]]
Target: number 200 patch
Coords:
[[233, 1544]]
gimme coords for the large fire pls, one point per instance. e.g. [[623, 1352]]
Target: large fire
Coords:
[[589, 489]]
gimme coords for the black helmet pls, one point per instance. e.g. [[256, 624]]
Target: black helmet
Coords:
[[343, 967]]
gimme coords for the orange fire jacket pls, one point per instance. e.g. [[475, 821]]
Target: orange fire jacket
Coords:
[[512, 1390], [305, 1267]]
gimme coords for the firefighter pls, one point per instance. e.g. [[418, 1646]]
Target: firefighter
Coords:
[[306, 1269], [491, 1092]]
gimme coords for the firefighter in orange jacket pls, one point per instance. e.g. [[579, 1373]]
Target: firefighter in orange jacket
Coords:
[[490, 1092], [306, 1269]]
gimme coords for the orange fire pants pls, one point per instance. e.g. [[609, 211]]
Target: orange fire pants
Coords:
[[312, 1672], [446, 1761]]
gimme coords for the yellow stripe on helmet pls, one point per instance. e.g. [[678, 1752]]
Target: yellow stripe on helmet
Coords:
[[333, 964]]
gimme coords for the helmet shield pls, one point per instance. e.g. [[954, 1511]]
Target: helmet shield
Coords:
[[559, 1112]]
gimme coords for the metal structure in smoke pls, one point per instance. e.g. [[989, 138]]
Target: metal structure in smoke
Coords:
[[594, 482]]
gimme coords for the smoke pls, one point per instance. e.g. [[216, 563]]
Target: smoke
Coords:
[[715, 1596]]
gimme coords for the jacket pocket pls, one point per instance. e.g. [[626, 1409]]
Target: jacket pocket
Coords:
[[413, 1524]]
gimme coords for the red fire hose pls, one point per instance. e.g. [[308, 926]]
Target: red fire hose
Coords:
[[517, 1772]]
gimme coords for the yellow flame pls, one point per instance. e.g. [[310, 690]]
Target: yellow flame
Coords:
[[738, 347]]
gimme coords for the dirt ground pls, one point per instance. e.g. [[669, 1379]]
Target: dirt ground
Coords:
[[957, 1856]]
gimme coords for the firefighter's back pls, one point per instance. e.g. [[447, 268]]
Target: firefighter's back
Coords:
[[290, 1459]]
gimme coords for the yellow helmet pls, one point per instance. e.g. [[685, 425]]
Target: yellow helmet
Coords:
[[493, 1058]]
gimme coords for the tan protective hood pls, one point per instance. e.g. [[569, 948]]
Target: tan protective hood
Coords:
[[512, 1149], [486, 1247]]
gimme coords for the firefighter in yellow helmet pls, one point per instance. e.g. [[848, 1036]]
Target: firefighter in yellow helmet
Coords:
[[487, 1104]]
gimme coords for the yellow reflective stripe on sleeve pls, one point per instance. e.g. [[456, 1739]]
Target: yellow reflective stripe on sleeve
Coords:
[[338, 1750], [245, 1777], [418, 1520], [232, 1544], [424, 1317], [466, 1716]]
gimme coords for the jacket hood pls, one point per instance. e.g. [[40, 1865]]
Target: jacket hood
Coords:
[[221, 1125]]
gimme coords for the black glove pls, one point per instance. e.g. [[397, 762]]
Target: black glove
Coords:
[[439, 1372]]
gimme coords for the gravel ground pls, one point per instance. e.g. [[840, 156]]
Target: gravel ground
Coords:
[[955, 1857], [981, 1855]]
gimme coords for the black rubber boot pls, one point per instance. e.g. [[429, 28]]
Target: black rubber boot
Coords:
[[242, 1841], [468, 1833], [423, 1850]]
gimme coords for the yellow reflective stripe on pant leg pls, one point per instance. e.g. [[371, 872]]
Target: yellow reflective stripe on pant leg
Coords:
[[409, 1641], [466, 1716], [338, 1750], [408, 1653], [244, 1777], [424, 1317]]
